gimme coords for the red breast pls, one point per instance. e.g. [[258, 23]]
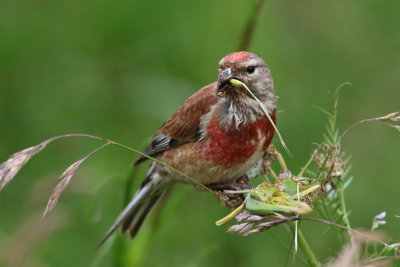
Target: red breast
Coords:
[[237, 146]]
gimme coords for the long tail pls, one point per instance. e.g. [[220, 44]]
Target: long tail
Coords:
[[134, 214]]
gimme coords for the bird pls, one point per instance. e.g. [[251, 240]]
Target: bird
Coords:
[[215, 137]]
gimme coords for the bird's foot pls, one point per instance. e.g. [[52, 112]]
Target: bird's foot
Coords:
[[231, 200]]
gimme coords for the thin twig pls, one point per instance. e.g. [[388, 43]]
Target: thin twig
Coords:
[[390, 117], [308, 163], [334, 224], [354, 125], [282, 162]]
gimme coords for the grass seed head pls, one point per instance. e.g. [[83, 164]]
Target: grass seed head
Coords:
[[13, 165]]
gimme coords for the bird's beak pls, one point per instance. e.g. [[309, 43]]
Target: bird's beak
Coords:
[[224, 78]]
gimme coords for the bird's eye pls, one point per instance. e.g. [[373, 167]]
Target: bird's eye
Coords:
[[251, 69]]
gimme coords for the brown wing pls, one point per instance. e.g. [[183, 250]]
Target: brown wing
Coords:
[[184, 125]]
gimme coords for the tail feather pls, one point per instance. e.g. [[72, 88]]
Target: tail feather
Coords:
[[139, 211], [134, 214], [139, 219]]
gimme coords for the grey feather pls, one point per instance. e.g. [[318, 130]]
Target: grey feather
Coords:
[[160, 144]]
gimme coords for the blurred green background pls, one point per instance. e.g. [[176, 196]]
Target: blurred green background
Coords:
[[119, 69]]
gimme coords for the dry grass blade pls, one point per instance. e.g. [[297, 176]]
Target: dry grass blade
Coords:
[[387, 119], [394, 116], [348, 256], [66, 178], [397, 127], [240, 83], [13, 165]]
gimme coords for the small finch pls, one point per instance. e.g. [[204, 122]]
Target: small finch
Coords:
[[216, 136]]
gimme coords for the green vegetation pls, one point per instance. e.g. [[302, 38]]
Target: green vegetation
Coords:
[[119, 69]]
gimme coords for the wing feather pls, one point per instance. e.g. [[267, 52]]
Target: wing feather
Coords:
[[184, 126]]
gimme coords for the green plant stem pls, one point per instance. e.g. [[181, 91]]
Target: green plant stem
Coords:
[[304, 246], [307, 251], [247, 35], [338, 235], [344, 210]]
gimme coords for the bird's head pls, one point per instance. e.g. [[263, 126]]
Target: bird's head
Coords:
[[247, 68]]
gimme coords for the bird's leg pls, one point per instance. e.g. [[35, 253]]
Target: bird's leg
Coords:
[[244, 180], [231, 200]]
